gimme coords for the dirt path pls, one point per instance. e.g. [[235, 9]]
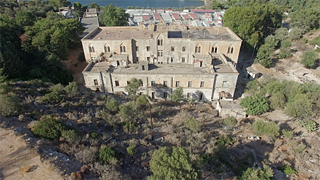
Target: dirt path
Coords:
[[16, 157]]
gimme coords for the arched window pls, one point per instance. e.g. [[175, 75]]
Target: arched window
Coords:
[[214, 49], [122, 48], [160, 41], [230, 50], [106, 49], [183, 48], [197, 49], [91, 48]]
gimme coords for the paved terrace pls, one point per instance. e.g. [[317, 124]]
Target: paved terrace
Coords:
[[175, 68]]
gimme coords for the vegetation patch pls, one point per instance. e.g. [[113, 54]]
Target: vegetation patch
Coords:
[[265, 128]]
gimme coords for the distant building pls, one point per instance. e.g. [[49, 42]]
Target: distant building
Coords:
[[202, 60]]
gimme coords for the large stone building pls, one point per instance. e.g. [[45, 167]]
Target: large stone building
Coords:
[[164, 57]]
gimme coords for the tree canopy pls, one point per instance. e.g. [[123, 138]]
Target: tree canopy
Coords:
[[112, 16], [252, 23]]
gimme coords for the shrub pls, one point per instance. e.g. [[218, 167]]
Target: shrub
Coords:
[[72, 89], [192, 124], [288, 170], [71, 135], [309, 59], [265, 128], [131, 149], [255, 104], [87, 154], [9, 105], [308, 125], [55, 96], [94, 135], [277, 100], [112, 104], [129, 127], [301, 106], [287, 133], [175, 164], [49, 128], [224, 139], [230, 121], [262, 174], [106, 154]]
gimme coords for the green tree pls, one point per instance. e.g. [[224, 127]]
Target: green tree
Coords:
[[175, 164], [142, 101], [112, 104], [133, 87], [309, 59], [192, 124], [281, 34], [285, 50], [128, 110], [305, 19], [25, 18], [177, 94], [271, 41], [264, 55], [94, 5], [255, 104], [112, 16], [216, 4]]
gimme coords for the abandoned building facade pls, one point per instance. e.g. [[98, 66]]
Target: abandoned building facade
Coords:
[[164, 57]]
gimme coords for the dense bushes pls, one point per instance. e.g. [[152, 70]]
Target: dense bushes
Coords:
[[298, 100], [49, 128], [107, 154], [112, 105], [72, 89], [175, 164], [230, 121], [55, 96], [255, 104], [264, 173]]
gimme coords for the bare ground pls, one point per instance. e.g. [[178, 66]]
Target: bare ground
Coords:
[[16, 158]]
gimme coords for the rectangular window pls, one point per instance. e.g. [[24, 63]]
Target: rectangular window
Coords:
[[142, 67], [188, 95], [128, 82], [165, 95], [137, 59], [160, 53], [137, 48], [148, 48], [153, 83], [201, 63], [183, 59], [95, 81], [177, 83], [165, 83], [172, 48], [183, 49], [189, 83], [224, 84], [172, 59], [202, 84], [117, 83], [148, 59]]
